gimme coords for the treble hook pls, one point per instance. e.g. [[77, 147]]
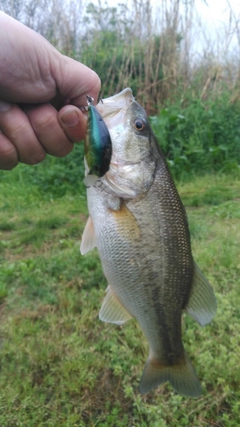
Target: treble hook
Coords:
[[90, 100]]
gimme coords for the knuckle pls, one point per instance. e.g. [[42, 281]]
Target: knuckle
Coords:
[[17, 131], [38, 157], [8, 156], [45, 121]]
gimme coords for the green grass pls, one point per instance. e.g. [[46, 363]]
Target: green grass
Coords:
[[60, 366]]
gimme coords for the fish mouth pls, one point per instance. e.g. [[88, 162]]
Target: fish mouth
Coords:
[[113, 109]]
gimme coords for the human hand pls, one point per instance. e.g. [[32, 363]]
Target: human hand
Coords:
[[40, 92]]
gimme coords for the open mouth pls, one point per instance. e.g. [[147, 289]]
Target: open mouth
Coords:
[[113, 109]]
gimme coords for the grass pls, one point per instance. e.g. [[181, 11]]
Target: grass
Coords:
[[60, 366]]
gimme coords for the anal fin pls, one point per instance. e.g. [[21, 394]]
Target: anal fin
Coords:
[[112, 310], [202, 303]]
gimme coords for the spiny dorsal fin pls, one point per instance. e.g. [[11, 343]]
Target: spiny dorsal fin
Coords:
[[112, 310], [88, 238], [202, 303]]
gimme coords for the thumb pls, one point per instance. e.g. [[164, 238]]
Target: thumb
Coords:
[[73, 122], [75, 81]]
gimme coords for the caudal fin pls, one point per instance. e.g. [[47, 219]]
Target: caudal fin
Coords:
[[182, 376]]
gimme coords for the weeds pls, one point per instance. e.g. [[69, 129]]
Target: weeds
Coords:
[[204, 135], [201, 136], [60, 365]]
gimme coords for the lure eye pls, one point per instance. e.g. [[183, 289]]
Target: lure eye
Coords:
[[139, 124]]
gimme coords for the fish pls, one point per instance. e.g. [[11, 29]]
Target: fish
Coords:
[[139, 226]]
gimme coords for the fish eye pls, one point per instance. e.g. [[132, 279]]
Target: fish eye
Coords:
[[139, 124]]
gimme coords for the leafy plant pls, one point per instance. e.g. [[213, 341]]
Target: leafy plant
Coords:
[[202, 135]]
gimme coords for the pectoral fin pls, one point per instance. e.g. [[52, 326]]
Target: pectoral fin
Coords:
[[126, 223], [112, 310], [88, 238], [202, 303]]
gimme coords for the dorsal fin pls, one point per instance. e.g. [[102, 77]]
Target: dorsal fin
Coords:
[[202, 303]]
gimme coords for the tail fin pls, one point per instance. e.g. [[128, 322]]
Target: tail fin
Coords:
[[182, 376]]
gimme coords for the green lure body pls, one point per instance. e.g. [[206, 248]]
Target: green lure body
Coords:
[[97, 144]]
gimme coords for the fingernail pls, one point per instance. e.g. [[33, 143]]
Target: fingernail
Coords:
[[4, 106], [70, 118]]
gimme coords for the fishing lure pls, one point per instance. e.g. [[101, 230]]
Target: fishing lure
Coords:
[[97, 145]]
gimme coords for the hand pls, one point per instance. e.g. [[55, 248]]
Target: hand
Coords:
[[40, 92]]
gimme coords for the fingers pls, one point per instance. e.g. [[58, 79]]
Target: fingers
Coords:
[[18, 141], [26, 136], [58, 130], [74, 122], [8, 153], [44, 121]]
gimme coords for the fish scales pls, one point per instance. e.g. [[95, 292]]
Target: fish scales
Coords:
[[141, 232], [136, 264]]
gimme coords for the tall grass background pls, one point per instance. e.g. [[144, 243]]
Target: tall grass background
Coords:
[[59, 366], [184, 73]]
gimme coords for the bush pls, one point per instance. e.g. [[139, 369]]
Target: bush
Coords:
[[201, 136]]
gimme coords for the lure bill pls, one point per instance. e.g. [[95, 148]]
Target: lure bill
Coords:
[[97, 145]]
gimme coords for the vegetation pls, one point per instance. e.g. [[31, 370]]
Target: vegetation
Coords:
[[201, 135], [196, 137], [191, 92], [161, 50], [61, 366]]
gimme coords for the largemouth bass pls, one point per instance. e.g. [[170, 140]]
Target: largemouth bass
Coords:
[[139, 226]]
